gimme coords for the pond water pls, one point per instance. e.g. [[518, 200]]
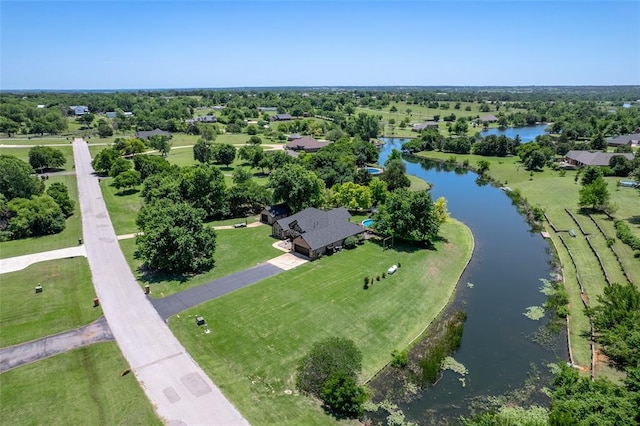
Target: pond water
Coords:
[[527, 133], [508, 262]]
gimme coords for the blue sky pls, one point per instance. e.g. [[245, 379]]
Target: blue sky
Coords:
[[165, 44]]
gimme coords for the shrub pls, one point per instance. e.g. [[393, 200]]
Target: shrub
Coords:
[[399, 359], [636, 254], [384, 275], [610, 241], [325, 359], [366, 280], [399, 264], [350, 242], [624, 233], [343, 396], [378, 278]]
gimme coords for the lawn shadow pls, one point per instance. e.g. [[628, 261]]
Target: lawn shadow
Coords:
[[634, 220], [146, 276], [402, 246]]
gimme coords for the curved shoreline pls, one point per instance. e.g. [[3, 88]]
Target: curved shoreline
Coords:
[[446, 305]]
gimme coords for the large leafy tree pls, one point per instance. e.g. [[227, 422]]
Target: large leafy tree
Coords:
[[45, 157], [223, 153], [126, 179], [408, 215], [202, 151], [174, 238], [16, 180], [296, 186], [352, 196], [38, 215], [595, 195], [395, 175], [203, 186], [148, 165], [343, 395], [162, 143], [104, 160], [60, 193]]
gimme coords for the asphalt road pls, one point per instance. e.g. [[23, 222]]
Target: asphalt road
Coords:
[[180, 392]]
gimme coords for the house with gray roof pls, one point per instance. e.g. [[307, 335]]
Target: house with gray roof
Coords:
[[275, 212], [592, 158], [426, 125], [314, 232], [79, 109], [306, 144], [489, 118], [632, 139], [209, 118], [281, 117], [145, 135]]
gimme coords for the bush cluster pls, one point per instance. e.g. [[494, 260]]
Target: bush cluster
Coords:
[[624, 233]]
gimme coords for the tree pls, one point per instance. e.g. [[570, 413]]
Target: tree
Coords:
[[620, 166], [162, 143], [16, 180], [590, 174], [148, 165], [254, 140], [126, 179], [598, 142], [241, 176], [343, 396], [203, 186], [394, 175], [324, 359], [535, 160], [104, 129], [352, 196], [60, 194], [483, 166], [379, 191], [223, 153], [364, 125], [408, 215], [38, 215], [440, 210], [594, 195], [202, 151], [119, 165], [296, 186], [103, 161], [247, 198], [45, 157], [174, 239]]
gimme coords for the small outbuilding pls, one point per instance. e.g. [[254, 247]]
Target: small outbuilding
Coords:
[[145, 135]]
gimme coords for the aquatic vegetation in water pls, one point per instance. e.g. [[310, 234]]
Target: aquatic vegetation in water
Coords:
[[395, 418], [470, 285], [449, 363], [534, 312]]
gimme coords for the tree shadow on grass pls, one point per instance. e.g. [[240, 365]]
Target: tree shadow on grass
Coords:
[[634, 220], [150, 277], [126, 192], [403, 246]]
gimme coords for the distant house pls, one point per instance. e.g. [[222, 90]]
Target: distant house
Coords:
[[316, 232], [272, 213], [127, 114], [281, 117], [79, 109], [145, 135], [210, 118], [293, 137], [265, 109], [41, 106], [110, 114], [426, 125], [588, 158], [306, 144], [625, 140], [488, 118]]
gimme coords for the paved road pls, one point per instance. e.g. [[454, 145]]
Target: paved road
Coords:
[[26, 353], [171, 305], [11, 264], [177, 387]]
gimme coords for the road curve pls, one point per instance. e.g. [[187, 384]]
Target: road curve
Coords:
[[180, 392]]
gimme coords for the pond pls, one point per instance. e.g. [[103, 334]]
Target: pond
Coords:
[[505, 271], [526, 133]]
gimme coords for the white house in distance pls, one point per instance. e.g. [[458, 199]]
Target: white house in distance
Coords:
[[79, 109]]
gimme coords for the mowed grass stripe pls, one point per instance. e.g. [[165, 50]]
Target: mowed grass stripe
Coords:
[[80, 387], [66, 301], [260, 332]]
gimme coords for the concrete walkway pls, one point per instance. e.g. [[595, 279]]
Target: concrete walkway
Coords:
[[178, 302], [12, 264], [180, 392], [26, 353]]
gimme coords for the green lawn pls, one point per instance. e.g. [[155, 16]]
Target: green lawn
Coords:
[[236, 250], [66, 301], [418, 184], [80, 387], [259, 333], [123, 207], [67, 238], [554, 192]]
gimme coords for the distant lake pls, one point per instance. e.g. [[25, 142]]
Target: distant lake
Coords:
[[527, 133]]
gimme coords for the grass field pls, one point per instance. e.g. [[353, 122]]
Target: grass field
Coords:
[[236, 249], [123, 209], [554, 192], [260, 332], [80, 387], [66, 301], [67, 238]]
